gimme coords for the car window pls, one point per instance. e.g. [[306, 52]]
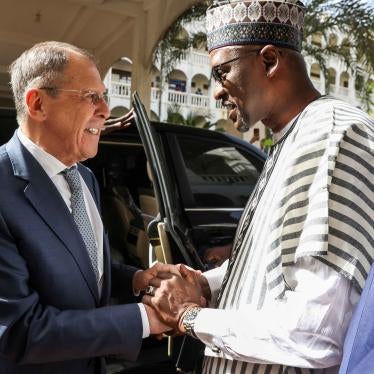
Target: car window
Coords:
[[219, 174]]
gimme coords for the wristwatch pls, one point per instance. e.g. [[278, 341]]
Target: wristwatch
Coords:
[[188, 320]]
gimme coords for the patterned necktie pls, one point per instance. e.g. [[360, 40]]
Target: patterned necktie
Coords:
[[80, 215]]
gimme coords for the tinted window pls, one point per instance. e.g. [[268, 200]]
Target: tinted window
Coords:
[[219, 174], [8, 124]]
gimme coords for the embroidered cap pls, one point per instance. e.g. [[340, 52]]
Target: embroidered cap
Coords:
[[237, 22]]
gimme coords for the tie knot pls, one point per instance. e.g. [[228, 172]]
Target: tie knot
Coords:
[[72, 177]]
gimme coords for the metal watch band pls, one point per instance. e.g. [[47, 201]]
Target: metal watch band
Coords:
[[188, 320]]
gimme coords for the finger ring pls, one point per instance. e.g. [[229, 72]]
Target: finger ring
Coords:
[[150, 290]]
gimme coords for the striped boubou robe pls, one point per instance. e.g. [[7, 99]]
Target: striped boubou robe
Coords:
[[314, 198]]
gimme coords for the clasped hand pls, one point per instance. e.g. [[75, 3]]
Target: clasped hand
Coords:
[[175, 287]]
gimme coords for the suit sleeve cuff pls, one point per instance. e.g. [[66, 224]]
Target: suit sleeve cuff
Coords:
[[145, 322]]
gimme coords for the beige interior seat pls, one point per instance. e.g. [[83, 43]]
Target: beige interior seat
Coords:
[[127, 235], [147, 201]]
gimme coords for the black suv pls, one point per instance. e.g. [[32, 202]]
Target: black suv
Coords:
[[169, 193]]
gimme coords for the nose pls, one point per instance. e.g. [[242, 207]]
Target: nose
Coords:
[[102, 109], [219, 91]]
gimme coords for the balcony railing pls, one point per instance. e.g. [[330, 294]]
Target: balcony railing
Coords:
[[120, 89], [343, 91], [200, 101], [196, 58], [123, 90], [177, 97], [200, 58], [155, 94], [193, 100]]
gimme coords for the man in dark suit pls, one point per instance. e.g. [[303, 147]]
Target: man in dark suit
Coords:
[[55, 269]]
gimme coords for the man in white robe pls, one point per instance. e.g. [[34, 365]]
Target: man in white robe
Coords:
[[304, 245]]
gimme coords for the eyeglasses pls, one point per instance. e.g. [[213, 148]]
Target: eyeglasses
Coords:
[[218, 73], [92, 96]]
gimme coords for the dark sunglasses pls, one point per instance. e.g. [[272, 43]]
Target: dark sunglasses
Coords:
[[217, 72]]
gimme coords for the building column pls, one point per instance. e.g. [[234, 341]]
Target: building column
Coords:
[[141, 80], [141, 77], [351, 86]]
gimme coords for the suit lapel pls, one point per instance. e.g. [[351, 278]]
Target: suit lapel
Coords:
[[47, 201]]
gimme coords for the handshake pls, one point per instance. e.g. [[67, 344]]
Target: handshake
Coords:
[[171, 290]]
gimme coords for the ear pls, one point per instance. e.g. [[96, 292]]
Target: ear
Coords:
[[35, 104], [270, 57]]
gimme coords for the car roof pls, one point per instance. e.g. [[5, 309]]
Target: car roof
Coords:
[[131, 134]]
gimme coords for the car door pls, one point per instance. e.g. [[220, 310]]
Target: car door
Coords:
[[203, 180], [170, 228], [215, 174]]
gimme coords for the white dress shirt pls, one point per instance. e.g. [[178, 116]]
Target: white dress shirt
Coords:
[[305, 329], [53, 168]]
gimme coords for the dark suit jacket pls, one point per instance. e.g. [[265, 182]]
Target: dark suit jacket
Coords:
[[358, 353], [51, 318]]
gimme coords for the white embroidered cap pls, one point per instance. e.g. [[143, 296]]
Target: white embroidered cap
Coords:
[[240, 22]]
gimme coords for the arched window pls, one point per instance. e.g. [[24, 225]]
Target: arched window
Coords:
[[344, 79], [177, 81], [200, 84], [199, 41], [181, 40], [118, 111], [346, 45], [315, 71], [317, 38], [331, 75], [359, 82]]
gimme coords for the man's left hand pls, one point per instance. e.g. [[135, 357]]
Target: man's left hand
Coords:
[[142, 278]]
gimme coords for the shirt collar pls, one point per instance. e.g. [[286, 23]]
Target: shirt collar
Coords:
[[51, 165], [279, 135]]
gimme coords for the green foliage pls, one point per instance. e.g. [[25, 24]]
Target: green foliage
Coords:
[[173, 44], [174, 115], [354, 18], [192, 119], [199, 40]]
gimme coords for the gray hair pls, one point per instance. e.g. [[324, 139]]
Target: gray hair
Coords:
[[40, 66]]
